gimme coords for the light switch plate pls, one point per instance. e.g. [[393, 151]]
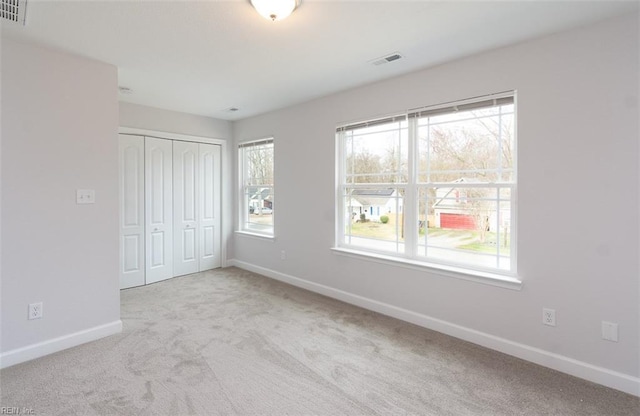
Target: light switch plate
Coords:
[[85, 196], [610, 331]]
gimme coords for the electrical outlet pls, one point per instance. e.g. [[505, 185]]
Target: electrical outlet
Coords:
[[549, 316], [35, 310], [85, 196], [283, 255]]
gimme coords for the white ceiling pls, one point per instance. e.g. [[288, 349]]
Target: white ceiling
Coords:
[[203, 57]]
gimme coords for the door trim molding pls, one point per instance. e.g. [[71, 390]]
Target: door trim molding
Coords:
[[171, 136]]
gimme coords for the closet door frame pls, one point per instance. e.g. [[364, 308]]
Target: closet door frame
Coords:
[[226, 200]]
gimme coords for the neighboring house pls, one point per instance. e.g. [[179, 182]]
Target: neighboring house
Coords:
[[354, 207], [375, 202], [260, 198], [453, 209]]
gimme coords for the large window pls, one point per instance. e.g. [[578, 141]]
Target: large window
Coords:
[[256, 182], [435, 185]]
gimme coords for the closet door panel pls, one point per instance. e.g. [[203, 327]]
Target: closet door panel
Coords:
[[132, 259], [159, 208], [209, 215], [208, 242], [131, 177], [185, 207]]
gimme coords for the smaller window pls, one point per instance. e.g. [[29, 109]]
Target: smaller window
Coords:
[[256, 183]]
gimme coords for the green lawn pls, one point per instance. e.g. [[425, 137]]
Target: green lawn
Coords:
[[489, 246], [374, 230], [460, 239]]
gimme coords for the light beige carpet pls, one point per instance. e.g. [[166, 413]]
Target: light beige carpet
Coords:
[[230, 342]]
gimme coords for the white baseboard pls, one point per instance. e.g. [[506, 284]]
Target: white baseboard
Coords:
[[616, 380], [30, 352]]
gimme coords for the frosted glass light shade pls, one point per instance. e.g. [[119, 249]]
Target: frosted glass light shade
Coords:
[[275, 9]]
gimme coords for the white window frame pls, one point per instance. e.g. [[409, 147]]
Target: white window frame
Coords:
[[409, 257], [245, 226]]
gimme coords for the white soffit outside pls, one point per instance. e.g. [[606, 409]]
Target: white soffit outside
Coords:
[[204, 57]]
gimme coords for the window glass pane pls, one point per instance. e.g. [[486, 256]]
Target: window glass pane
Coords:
[[257, 184], [377, 154], [476, 145], [259, 202], [374, 218], [503, 229], [507, 147], [259, 165], [468, 226]]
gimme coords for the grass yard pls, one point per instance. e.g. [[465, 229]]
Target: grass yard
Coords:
[[460, 239], [378, 230], [375, 230], [489, 246]]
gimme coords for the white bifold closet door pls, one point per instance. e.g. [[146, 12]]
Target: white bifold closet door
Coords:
[[131, 180], [169, 209], [186, 184], [209, 212], [196, 207], [158, 209]]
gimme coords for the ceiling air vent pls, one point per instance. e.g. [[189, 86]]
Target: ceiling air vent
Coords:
[[386, 59], [13, 11]]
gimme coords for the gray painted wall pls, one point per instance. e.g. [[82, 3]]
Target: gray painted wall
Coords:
[[578, 211], [59, 134], [143, 117]]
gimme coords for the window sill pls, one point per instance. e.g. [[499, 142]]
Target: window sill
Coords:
[[256, 235], [492, 279]]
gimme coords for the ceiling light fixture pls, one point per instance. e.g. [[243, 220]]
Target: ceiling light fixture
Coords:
[[275, 9]]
